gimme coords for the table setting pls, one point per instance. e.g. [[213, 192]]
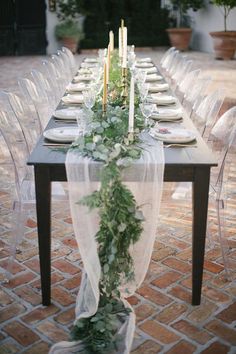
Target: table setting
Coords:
[[110, 148]]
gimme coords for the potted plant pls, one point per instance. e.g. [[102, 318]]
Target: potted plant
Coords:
[[181, 32], [69, 29], [224, 41]]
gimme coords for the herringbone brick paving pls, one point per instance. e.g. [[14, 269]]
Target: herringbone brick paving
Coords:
[[166, 320]]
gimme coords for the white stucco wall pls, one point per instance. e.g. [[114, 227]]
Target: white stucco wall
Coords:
[[207, 20]]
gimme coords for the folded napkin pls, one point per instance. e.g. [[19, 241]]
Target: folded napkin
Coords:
[[89, 65], [144, 65], [74, 99], [158, 87], [144, 60], [153, 77], [81, 86], [84, 77], [161, 99], [84, 71], [152, 70], [165, 113], [90, 60]]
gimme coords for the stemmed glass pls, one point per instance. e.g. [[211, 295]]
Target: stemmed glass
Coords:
[[141, 76], [147, 109], [82, 122], [89, 99], [131, 59], [143, 90]]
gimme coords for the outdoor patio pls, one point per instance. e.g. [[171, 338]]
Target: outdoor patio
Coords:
[[166, 322]]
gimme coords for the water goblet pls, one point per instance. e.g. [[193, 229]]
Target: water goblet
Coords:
[[143, 91], [131, 59], [83, 122], [141, 76], [147, 109], [89, 98]]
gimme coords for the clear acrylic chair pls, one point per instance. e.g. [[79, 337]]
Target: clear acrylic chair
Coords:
[[205, 114], [24, 188], [54, 78], [25, 114], [24, 198], [66, 63], [73, 64], [47, 90], [186, 84], [41, 102], [222, 140], [57, 61], [194, 97], [166, 55], [166, 63], [182, 71]]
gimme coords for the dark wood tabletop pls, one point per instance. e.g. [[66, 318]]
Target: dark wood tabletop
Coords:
[[191, 164]]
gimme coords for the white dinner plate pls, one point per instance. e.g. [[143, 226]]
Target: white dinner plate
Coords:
[[80, 86], [167, 114], [61, 135], [73, 99], [158, 87], [67, 113], [173, 135], [144, 65], [153, 78], [161, 99]]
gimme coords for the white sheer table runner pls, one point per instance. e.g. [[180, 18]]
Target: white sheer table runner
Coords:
[[145, 180]]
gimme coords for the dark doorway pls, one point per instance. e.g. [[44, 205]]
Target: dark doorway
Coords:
[[22, 27]]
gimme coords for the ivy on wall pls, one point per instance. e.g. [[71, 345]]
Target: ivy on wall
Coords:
[[146, 22]]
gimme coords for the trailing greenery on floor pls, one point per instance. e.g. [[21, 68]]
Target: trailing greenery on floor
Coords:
[[120, 218]]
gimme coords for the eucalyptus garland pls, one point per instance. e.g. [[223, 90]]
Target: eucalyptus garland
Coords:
[[120, 218]]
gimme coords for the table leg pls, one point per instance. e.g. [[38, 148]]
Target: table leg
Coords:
[[43, 208], [200, 208]]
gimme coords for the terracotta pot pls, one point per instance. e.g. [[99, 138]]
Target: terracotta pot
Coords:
[[70, 43], [224, 44], [179, 37]]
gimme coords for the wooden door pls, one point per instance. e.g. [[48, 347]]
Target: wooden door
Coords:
[[22, 27]]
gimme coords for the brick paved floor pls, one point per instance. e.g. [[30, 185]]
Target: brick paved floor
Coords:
[[166, 321]]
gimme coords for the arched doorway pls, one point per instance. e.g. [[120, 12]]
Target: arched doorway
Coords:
[[22, 27]]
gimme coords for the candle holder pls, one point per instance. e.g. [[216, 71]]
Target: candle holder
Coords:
[[131, 137], [104, 109], [124, 92]]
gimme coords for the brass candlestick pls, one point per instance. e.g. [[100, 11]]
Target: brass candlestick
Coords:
[[124, 92], [104, 109]]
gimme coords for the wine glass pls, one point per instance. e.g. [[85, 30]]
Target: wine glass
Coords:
[[82, 122], [89, 98], [143, 90], [131, 59], [141, 76], [147, 109]]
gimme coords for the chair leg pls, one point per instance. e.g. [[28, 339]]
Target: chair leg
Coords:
[[223, 243], [18, 224]]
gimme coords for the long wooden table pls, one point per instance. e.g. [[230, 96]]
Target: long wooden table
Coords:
[[181, 165]]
